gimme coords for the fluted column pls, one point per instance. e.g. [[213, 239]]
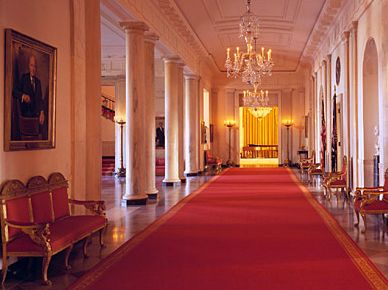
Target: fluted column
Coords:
[[171, 120], [149, 144], [191, 121], [135, 111], [181, 157]]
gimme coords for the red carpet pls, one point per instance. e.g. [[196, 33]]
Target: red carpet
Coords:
[[247, 229]]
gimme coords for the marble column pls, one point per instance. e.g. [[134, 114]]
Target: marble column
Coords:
[[329, 114], [85, 58], [135, 92], [120, 100], [356, 162], [191, 122], [181, 157], [346, 35], [149, 144], [171, 121]]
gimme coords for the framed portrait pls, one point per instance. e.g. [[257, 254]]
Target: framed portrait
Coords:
[[159, 134], [30, 91]]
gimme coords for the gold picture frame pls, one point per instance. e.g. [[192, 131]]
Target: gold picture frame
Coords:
[[30, 93]]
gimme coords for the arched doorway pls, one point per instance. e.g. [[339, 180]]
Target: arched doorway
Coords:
[[370, 108]]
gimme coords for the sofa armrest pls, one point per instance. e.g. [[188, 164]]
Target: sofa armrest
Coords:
[[38, 233], [96, 206]]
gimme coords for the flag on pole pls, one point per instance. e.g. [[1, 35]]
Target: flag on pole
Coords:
[[323, 136], [334, 139]]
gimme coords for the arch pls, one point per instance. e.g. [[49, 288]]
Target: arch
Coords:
[[370, 79]]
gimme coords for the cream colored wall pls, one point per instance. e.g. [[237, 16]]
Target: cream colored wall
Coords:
[[49, 23], [371, 24]]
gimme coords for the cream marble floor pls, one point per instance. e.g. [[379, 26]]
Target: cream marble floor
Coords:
[[124, 222]]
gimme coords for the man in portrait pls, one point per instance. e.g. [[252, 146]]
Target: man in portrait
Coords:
[[160, 135], [29, 105]]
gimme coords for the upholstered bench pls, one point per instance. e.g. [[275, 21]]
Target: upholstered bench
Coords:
[[36, 220]]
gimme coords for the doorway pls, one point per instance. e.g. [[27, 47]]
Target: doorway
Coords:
[[259, 136]]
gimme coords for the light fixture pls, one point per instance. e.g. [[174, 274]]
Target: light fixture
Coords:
[[288, 124], [255, 98], [253, 64], [230, 124], [260, 112], [121, 171]]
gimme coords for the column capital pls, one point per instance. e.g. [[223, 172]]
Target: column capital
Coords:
[[173, 58], [135, 26], [345, 36], [328, 57], [151, 37], [191, 77]]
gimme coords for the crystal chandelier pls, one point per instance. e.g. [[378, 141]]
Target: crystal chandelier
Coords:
[[251, 65]]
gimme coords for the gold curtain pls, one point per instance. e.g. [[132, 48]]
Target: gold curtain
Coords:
[[263, 131]]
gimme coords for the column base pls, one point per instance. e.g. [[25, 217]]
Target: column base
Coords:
[[171, 182], [153, 195], [191, 174], [121, 172], [134, 200]]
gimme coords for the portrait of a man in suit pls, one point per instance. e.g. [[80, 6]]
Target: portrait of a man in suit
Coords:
[[30, 93]]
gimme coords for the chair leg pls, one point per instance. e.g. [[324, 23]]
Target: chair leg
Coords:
[[101, 237], [85, 246], [45, 265], [363, 215], [358, 218], [5, 269], [67, 255]]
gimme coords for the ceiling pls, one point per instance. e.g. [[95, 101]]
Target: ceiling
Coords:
[[285, 26]]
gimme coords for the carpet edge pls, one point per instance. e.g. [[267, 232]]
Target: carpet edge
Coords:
[[362, 262]]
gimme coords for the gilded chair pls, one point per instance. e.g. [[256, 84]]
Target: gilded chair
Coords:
[[337, 180], [305, 163], [316, 169], [371, 200]]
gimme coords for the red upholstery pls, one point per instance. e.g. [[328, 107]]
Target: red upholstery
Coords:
[[63, 232], [376, 205], [211, 160], [60, 202], [159, 166], [17, 211], [41, 207]]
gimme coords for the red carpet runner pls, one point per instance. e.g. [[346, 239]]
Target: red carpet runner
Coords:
[[247, 229]]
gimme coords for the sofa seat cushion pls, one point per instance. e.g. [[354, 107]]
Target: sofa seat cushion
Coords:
[[63, 233], [376, 205]]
